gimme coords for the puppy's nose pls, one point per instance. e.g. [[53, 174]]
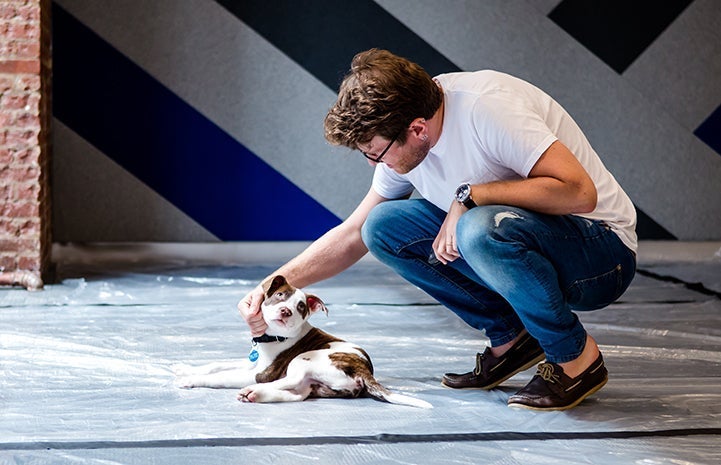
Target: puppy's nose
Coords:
[[285, 312]]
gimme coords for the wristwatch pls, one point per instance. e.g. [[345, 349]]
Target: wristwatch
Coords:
[[463, 195]]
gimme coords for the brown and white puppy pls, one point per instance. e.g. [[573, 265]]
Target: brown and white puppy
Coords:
[[297, 360]]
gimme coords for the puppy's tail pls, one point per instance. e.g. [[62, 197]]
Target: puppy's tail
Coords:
[[377, 390]]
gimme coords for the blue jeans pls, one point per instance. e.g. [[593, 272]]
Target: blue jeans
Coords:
[[518, 269]]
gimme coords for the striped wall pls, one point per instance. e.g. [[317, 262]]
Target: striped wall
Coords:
[[201, 120]]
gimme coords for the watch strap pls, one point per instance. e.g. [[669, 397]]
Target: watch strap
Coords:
[[469, 203]]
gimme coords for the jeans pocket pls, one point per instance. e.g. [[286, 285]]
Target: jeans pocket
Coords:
[[596, 292]]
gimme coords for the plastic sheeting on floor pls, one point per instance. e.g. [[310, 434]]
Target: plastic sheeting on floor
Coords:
[[86, 374]]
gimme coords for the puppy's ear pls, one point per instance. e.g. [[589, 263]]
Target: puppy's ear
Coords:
[[272, 284], [315, 304]]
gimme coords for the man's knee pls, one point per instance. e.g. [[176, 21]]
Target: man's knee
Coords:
[[377, 223], [487, 224]]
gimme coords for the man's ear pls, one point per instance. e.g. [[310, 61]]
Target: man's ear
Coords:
[[272, 284], [315, 304], [419, 128]]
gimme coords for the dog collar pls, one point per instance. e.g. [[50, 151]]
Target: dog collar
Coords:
[[266, 338], [254, 355]]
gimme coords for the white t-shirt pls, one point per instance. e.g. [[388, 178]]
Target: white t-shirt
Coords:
[[496, 127]]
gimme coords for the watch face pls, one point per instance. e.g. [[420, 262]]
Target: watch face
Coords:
[[463, 192]]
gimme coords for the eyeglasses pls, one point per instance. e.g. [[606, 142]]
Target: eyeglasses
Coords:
[[379, 157]]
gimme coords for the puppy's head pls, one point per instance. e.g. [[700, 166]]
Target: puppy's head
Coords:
[[285, 308]]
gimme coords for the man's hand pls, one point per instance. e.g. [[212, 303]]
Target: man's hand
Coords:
[[249, 308], [444, 246]]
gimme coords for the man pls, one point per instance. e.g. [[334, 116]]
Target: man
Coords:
[[519, 223]]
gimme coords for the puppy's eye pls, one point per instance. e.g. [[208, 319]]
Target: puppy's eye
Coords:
[[301, 306], [279, 294]]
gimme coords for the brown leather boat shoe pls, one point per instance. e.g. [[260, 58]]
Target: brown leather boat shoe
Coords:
[[552, 389], [491, 371]]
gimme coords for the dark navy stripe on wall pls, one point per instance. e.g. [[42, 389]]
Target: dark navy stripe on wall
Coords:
[[322, 37], [617, 31], [710, 131], [132, 118], [647, 228]]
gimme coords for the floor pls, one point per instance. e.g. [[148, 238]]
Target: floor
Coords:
[[87, 368]]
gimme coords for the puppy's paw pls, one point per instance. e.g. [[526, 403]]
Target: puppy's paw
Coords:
[[187, 382], [248, 394]]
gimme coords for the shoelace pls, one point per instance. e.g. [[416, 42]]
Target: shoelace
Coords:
[[545, 371], [479, 364]]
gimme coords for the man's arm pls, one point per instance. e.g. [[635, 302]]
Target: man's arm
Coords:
[[557, 185], [333, 252], [330, 254]]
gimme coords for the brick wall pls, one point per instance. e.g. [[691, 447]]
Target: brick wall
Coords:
[[25, 70]]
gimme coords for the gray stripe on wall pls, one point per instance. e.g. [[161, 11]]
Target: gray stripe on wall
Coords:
[[96, 200], [675, 70], [241, 83], [645, 148]]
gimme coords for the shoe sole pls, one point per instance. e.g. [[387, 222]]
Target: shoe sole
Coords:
[[488, 387], [564, 407]]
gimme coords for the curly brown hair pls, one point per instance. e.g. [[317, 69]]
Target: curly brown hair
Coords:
[[381, 95]]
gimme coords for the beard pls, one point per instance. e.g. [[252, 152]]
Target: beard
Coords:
[[413, 158]]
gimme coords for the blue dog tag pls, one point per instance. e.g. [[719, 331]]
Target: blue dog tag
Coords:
[[253, 355]]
